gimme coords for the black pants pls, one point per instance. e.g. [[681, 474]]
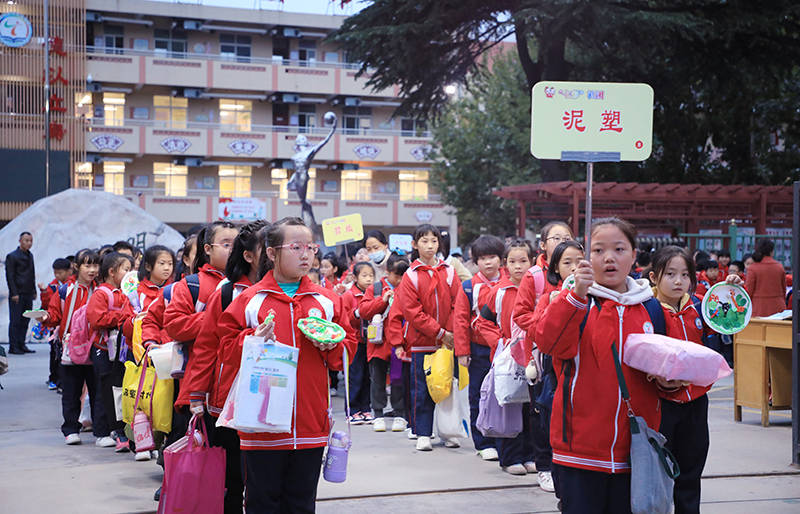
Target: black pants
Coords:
[[359, 381], [234, 486], [479, 365], [283, 481], [55, 362], [109, 375], [377, 389], [17, 323], [685, 425], [519, 449], [540, 433], [409, 408], [592, 492], [72, 380]]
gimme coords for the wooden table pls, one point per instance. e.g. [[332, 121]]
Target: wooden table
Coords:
[[763, 358]]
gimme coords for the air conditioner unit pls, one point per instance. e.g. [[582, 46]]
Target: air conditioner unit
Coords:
[[192, 93], [93, 16], [194, 161], [94, 157], [352, 102], [289, 32], [340, 166], [290, 99], [191, 25], [278, 163]]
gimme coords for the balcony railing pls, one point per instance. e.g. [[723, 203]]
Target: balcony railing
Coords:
[[275, 60]]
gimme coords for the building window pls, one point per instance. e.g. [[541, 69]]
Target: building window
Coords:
[[357, 120], [413, 184], [171, 42], [280, 49], [236, 47], [280, 178], [114, 177], [84, 175], [114, 109], [307, 53], [83, 105], [113, 40], [171, 177], [234, 181], [356, 184], [171, 110], [236, 114], [412, 127], [306, 117]]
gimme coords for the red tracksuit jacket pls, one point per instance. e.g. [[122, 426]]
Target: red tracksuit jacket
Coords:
[[311, 425], [550, 291], [593, 432], [500, 302], [531, 287], [57, 309], [101, 319], [369, 306], [204, 371], [685, 324], [183, 319], [427, 301], [466, 314]]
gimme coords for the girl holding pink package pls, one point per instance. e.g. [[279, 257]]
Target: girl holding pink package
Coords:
[[684, 418]]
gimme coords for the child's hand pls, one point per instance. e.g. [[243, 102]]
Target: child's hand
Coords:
[[733, 278], [139, 316], [265, 330], [388, 294], [584, 277], [196, 406], [339, 288], [447, 340], [463, 360], [399, 352]]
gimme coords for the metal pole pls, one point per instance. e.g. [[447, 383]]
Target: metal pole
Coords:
[[587, 227], [796, 331], [46, 99]]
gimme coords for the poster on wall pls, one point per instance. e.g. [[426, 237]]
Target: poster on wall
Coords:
[[783, 245], [709, 244], [244, 209], [745, 241]]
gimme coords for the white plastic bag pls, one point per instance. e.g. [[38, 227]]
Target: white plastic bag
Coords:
[[452, 414], [510, 382]]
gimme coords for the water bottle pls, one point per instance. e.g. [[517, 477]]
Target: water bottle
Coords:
[[335, 469], [375, 329]]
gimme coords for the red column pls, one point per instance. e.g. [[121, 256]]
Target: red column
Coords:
[[761, 227], [521, 217]]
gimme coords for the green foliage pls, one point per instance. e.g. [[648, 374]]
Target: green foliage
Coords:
[[482, 142]]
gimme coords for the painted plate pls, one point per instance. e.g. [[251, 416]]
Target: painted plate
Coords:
[[130, 282], [568, 283], [727, 308], [320, 330], [34, 314]]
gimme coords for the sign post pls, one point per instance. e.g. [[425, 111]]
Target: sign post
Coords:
[[591, 122]]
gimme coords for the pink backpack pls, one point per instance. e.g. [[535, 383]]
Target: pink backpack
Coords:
[[80, 335]]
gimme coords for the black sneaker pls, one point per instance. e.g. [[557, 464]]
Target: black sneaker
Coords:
[[157, 496]]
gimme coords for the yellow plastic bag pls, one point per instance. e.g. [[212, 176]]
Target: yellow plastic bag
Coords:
[[438, 368], [137, 345], [161, 417], [463, 377]]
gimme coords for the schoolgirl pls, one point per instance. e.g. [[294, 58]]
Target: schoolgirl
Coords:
[[590, 433], [493, 327], [376, 302], [359, 372], [156, 271], [68, 298], [487, 252], [331, 270], [108, 312], [282, 469], [427, 296]]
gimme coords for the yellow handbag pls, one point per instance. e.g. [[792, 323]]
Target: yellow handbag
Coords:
[[137, 345], [161, 417], [438, 368]]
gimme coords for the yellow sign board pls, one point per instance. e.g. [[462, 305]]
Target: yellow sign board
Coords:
[[573, 118], [342, 229]]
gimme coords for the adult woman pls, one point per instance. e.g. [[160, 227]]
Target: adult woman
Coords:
[[766, 281], [378, 248]]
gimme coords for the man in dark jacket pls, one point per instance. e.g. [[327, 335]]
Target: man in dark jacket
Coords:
[[21, 278]]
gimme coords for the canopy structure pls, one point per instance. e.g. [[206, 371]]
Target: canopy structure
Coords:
[[686, 207]]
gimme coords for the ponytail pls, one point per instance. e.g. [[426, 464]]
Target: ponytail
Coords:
[[206, 237]]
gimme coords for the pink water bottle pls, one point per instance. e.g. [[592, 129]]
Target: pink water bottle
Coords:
[[335, 469]]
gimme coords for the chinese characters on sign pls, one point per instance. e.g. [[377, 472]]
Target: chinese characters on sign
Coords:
[[342, 229], [587, 117], [55, 103]]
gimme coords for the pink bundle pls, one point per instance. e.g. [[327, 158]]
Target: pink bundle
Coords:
[[674, 359]]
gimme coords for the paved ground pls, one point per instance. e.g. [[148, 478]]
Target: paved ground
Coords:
[[748, 467]]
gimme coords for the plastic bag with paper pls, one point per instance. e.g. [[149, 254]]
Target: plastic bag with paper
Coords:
[[438, 368], [451, 415], [161, 417], [510, 383]]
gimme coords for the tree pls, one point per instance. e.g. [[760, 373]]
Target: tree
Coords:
[[482, 142]]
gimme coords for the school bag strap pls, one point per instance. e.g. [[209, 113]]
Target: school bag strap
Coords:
[[377, 288], [193, 281], [226, 294], [487, 314], [467, 286], [538, 281], [656, 313]]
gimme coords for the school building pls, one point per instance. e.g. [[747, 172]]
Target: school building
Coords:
[[189, 109]]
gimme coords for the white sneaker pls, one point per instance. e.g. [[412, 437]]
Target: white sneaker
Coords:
[[452, 443], [530, 466], [515, 469], [105, 442], [154, 454], [142, 456], [334, 392], [73, 439], [379, 425], [424, 444], [410, 433], [546, 481], [398, 425], [488, 454]]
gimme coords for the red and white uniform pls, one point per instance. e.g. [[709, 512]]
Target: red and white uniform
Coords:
[[593, 433], [369, 306], [310, 425], [183, 318], [531, 288], [57, 309], [427, 301], [687, 325], [204, 371], [102, 319], [500, 302], [466, 314]]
